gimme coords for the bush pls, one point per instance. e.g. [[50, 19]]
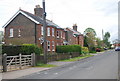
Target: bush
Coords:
[[85, 50], [30, 48], [68, 49], [11, 50], [92, 51], [24, 49]]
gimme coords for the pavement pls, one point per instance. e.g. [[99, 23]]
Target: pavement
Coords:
[[30, 70], [20, 73]]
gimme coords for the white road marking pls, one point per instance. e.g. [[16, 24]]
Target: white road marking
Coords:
[[55, 73], [45, 73]]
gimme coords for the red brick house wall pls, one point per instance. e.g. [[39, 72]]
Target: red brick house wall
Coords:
[[27, 31]]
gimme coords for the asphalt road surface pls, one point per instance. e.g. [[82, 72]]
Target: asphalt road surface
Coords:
[[101, 66]]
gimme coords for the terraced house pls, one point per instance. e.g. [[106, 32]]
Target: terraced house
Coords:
[[27, 28]]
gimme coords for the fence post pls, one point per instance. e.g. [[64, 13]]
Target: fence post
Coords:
[[5, 63], [33, 59], [20, 60]]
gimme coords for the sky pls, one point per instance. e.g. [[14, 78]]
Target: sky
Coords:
[[97, 14]]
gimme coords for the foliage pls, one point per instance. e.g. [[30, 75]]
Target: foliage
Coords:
[[92, 50], [11, 50], [85, 50], [90, 30], [1, 36], [68, 49], [85, 41], [30, 48], [106, 39], [90, 38], [24, 49]]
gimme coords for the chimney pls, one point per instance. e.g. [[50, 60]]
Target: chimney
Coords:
[[75, 27], [38, 11]]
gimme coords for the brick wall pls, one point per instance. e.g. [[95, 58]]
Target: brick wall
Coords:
[[27, 31]]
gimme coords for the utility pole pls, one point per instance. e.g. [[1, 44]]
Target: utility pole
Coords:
[[45, 30], [102, 34]]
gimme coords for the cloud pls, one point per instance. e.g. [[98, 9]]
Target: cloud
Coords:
[[98, 14]]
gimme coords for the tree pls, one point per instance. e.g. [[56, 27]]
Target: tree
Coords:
[[100, 43], [90, 30], [90, 38], [1, 36], [106, 39]]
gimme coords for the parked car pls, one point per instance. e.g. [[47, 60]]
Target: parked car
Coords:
[[105, 48], [117, 48], [98, 49]]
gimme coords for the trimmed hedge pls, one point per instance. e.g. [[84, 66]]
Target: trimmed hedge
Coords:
[[24, 49], [68, 49], [85, 50], [30, 48], [11, 50]]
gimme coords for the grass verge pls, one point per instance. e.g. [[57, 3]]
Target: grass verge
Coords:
[[76, 58], [45, 65]]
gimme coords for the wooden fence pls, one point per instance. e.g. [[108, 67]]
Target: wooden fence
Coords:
[[17, 62]]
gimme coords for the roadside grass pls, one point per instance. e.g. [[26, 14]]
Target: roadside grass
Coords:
[[45, 65], [76, 58]]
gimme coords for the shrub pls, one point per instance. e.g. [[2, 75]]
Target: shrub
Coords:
[[30, 48], [11, 50], [24, 49], [92, 51], [85, 50], [68, 49]]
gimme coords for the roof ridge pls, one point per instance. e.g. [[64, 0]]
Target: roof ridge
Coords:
[[27, 12]]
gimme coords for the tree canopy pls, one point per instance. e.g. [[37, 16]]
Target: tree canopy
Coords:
[[90, 30]]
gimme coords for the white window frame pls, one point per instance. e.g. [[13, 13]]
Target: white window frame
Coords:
[[48, 45], [61, 34], [48, 31], [53, 32], [11, 32], [57, 34], [42, 30], [53, 46], [19, 32]]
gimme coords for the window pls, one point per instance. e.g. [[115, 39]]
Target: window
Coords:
[[19, 31], [48, 45], [57, 34], [53, 46], [48, 31], [53, 32], [61, 34], [11, 32], [41, 30]]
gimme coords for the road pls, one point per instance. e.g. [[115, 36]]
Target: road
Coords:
[[101, 66]]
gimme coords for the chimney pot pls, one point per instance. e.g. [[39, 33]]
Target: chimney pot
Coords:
[[38, 11], [75, 27]]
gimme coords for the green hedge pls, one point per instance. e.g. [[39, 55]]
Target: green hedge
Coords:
[[24, 49], [68, 49], [85, 50], [30, 48]]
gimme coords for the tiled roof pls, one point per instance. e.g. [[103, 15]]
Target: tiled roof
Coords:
[[40, 20], [74, 32], [34, 18]]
